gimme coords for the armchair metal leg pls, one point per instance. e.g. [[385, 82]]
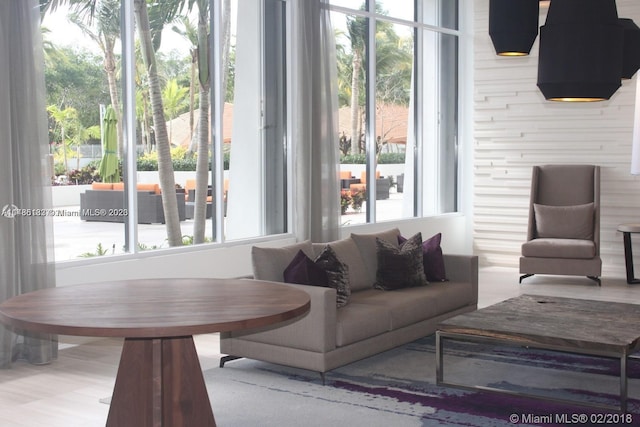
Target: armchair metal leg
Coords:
[[524, 276], [226, 359], [595, 279]]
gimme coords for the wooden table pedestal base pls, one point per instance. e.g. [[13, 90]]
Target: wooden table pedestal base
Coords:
[[169, 391]]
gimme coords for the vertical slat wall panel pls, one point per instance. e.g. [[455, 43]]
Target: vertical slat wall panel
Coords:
[[516, 128]]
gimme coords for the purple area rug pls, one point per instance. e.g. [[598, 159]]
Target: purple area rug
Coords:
[[399, 385]]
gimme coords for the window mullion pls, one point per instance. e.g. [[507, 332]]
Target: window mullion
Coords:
[[129, 124], [371, 119]]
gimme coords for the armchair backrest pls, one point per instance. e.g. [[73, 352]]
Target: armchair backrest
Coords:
[[565, 185]]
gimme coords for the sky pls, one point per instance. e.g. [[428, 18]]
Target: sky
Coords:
[[64, 33]]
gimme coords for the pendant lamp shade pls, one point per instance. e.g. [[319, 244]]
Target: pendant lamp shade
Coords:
[[513, 26], [580, 51], [631, 48]]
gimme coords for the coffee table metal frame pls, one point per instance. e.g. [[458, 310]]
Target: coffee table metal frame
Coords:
[[624, 357]]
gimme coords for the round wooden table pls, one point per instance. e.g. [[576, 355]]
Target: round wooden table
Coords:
[[159, 380]]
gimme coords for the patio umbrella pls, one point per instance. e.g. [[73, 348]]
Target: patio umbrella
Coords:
[[109, 164]]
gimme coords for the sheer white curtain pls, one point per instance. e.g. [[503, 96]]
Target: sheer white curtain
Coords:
[[26, 248], [316, 193]]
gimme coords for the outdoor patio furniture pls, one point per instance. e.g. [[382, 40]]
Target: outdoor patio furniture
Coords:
[[190, 206], [382, 185], [108, 206]]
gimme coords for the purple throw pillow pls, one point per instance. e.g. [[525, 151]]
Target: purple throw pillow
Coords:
[[432, 258], [326, 271], [303, 271]]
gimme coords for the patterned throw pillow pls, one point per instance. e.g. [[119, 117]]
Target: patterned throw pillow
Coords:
[[326, 271], [432, 258], [337, 273], [400, 267]]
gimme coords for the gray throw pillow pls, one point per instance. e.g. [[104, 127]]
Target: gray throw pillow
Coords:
[[564, 222], [400, 267]]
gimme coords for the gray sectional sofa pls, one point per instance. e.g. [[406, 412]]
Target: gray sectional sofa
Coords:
[[372, 321]]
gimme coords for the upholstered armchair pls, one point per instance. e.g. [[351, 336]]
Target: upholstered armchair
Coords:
[[563, 236]]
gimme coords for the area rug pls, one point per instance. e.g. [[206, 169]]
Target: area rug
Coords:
[[397, 388]]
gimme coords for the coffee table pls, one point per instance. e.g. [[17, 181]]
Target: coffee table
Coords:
[[596, 328], [159, 380]]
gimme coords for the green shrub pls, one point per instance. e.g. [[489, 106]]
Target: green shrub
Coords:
[[354, 159], [383, 158], [390, 158]]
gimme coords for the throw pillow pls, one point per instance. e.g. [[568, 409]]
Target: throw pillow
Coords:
[[337, 274], [432, 258], [269, 263], [400, 267], [366, 244], [564, 222], [303, 271], [326, 271]]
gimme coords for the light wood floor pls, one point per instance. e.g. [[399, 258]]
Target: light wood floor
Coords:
[[66, 393]]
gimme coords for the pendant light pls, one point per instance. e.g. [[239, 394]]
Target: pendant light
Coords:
[[580, 51], [513, 26], [631, 48]]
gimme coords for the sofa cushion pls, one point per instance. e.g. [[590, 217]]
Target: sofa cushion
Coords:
[[559, 248], [366, 245], [356, 322], [412, 305], [432, 258], [400, 267], [270, 263], [327, 271], [102, 186], [348, 253], [564, 222]]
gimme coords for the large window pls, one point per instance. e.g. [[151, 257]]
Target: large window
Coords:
[[189, 155], [398, 89]]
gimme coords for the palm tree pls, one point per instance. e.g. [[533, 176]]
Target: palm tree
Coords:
[[165, 166], [190, 32], [357, 29], [65, 119], [202, 163], [105, 34], [173, 97], [200, 52]]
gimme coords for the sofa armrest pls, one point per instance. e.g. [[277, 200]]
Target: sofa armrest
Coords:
[[315, 331], [463, 268]]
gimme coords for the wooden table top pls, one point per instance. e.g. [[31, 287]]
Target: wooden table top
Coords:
[[155, 307], [552, 321]]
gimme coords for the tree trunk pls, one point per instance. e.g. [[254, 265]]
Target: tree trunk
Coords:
[[192, 93], [226, 43], [202, 165], [355, 100], [165, 167], [202, 169]]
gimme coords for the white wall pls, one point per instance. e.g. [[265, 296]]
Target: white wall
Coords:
[[515, 128]]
